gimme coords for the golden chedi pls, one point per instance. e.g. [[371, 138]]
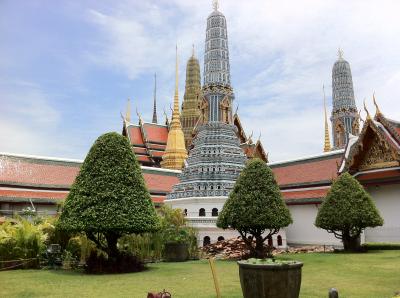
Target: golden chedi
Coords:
[[175, 152]]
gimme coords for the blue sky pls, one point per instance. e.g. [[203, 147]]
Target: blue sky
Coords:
[[68, 67]]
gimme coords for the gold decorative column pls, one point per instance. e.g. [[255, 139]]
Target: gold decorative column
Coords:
[[175, 153], [327, 143]]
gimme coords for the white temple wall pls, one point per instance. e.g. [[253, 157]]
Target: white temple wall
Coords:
[[303, 230], [387, 200]]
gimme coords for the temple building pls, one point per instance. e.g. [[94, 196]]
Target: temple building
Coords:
[[218, 148], [345, 118], [216, 157], [191, 100]]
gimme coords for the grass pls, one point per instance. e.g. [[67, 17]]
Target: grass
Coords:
[[375, 274]]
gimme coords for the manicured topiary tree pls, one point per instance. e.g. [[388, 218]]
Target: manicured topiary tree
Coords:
[[255, 207], [347, 210], [109, 196]]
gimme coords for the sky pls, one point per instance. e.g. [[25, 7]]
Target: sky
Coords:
[[68, 67]]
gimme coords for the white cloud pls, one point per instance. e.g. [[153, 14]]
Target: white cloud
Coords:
[[281, 53]]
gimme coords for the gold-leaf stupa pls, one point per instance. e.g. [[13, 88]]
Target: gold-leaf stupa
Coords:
[[175, 152]]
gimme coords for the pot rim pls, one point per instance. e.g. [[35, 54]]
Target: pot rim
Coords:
[[295, 265]]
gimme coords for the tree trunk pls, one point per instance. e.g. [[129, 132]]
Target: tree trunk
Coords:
[[260, 253], [112, 240], [351, 243]]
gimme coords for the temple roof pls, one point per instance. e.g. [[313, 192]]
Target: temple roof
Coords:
[[47, 179], [319, 169], [148, 141], [377, 147]]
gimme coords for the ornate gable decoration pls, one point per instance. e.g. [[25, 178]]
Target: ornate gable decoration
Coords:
[[374, 149]]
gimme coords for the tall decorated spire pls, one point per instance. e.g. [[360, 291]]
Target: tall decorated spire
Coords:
[[216, 55], [215, 157], [175, 153], [191, 100], [327, 141], [344, 117], [155, 100]]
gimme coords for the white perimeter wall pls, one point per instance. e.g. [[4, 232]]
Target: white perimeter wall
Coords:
[[387, 200], [303, 231]]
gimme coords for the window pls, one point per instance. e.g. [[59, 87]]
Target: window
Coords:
[[185, 212], [279, 240], [206, 240], [202, 212], [214, 212], [221, 238]]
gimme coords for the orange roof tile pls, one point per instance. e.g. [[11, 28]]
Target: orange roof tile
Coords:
[[25, 171], [307, 171], [135, 135], [305, 194], [49, 173], [156, 133], [33, 194], [160, 182]]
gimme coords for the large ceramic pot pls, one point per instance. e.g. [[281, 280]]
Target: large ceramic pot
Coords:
[[176, 252], [272, 280]]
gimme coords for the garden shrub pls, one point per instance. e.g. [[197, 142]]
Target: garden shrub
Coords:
[[347, 210], [109, 197], [21, 239], [381, 246], [255, 207]]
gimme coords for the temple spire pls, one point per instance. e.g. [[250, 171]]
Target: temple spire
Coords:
[[176, 96], [155, 100], [327, 142], [344, 117], [175, 153], [128, 111]]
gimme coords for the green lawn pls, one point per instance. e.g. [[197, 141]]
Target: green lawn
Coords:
[[374, 274]]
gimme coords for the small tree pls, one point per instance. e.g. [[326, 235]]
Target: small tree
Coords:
[[347, 210], [255, 207], [109, 196]]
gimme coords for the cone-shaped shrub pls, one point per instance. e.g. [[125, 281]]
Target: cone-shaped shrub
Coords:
[[347, 210], [255, 206], [109, 196]]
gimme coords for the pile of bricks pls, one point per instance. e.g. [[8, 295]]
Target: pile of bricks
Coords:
[[236, 249]]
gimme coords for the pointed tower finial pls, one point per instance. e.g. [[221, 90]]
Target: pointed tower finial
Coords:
[[128, 110], [378, 111], [175, 113], [175, 152], [192, 50], [327, 141], [215, 4], [155, 100], [366, 110], [340, 54]]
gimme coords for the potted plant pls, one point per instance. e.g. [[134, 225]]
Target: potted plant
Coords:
[[176, 235], [255, 209], [176, 244]]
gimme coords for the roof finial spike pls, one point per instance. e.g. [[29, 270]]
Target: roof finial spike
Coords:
[[140, 117], [327, 141], [192, 50], [128, 111], [215, 4], [340, 53], [155, 100], [366, 110], [378, 111]]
